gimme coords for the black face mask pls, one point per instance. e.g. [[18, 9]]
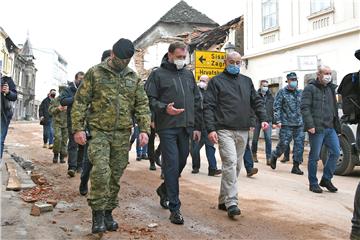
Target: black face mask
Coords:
[[52, 95], [120, 64]]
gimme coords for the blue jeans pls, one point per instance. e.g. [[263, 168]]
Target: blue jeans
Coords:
[[331, 141], [174, 152], [4, 130], [139, 150], [248, 161], [209, 149], [76, 154], [267, 135], [48, 133]]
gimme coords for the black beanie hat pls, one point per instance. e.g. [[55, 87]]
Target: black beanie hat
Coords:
[[123, 49], [357, 54], [105, 54]]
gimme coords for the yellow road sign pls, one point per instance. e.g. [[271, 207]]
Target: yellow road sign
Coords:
[[207, 59], [208, 63]]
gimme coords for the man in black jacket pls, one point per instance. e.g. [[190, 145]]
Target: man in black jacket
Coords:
[[8, 94], [46, 120], [228, 105], [320, 114], [75, 151], [173, 94], [265, 93]]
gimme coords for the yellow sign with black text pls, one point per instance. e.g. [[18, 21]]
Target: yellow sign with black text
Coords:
[[208, 63]]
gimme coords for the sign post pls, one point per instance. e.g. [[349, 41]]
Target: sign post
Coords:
[[208, 63]]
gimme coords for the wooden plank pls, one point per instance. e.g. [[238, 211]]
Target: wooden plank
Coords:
[[13, 182]]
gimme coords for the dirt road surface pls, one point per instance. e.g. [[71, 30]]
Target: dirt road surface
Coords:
[[274, 204]]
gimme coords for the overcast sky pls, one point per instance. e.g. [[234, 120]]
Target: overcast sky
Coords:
[[80, 30]]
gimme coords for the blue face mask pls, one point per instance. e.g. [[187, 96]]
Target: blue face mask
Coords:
[[233, 69], [293, 84]]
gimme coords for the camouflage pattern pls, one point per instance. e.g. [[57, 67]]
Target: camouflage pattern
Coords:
[[112, 99], [106, 101], [287, 107], [106, 171], [286, 134], [59, 119]]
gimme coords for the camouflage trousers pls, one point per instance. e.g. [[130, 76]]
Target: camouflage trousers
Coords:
[[60, 140], [108, 152], [286, 134]]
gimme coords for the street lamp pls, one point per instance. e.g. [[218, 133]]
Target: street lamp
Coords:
[[229, 47]]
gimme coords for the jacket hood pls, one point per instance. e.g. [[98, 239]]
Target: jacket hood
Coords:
[[316, 83], [168, 65]]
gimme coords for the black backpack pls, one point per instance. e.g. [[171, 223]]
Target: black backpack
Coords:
[[350, 93]]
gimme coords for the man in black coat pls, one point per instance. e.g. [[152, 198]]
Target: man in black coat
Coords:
[[8, 94], [46, 120], [320, 115], [173, 94], [75, 151]]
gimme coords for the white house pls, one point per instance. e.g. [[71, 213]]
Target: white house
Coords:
[[281, 36]]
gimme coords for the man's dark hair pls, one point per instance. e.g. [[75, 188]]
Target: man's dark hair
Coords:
[[78, 74], [52, 90], [176, 45], [105, 55]]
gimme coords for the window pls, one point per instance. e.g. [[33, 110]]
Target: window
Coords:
[[319, 5], [269, 14]]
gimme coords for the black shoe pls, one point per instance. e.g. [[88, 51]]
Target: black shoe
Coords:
[[71, 172], [62, 156], [163, 197], [252, 172], [268, 161], [83, 188], [328, 185], [176, 218], [55, 158], [284, 160], [254, 157], [144, 156], [315, 189], [152, 166], [138, 158], [110, 224], [195, 171], [296, 170], [222, 207], [98, 224], [214, 172], [233, 211], [273, 162]]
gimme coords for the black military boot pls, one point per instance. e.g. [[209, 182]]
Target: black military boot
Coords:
[[55, 158], [62, 156], [296, 169], [98, 224], [83, 188], [110, 224], [152, 165], [273, 161]]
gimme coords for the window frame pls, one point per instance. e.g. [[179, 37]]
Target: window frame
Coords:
[[263, 2], [331, 5]]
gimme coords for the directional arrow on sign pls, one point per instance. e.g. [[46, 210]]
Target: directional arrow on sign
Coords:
[[201, 59]]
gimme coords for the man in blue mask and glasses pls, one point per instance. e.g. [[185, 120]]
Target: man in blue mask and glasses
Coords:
[[287, 117]]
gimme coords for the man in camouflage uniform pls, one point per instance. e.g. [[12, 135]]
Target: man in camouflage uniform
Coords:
[[287, 117], [109, 96], [59, 119]]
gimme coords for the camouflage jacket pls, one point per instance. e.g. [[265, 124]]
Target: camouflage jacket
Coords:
[[287, 107], [58, 117], [107, 101]]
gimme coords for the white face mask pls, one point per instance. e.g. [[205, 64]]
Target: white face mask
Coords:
[[202, 85], [180, 63], [327, 78]]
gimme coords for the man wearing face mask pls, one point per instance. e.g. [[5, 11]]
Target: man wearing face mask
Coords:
[[46, 120], [321, 120], [209, 146], [268, 99], [229, 101], [287, 117], [175, 99], [109, 96], [76, 153]]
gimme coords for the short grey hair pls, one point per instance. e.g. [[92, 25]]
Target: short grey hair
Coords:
[[322, 67]]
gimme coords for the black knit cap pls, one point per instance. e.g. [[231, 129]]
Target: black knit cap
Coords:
[[105, 54], [123, 49], [357, 54]]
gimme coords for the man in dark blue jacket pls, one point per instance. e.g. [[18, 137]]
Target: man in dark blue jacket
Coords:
[[8, 94], [175, 99], [75, 151], [46, 120]]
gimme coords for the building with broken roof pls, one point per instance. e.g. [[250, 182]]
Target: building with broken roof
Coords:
[[153, 43]]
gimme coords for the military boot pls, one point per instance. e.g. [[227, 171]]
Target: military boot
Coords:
[[110, 224], [62, 156], [296, 169], [98, 224], [55, 158]]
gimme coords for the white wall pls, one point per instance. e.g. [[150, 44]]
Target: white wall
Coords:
[[154, 55]]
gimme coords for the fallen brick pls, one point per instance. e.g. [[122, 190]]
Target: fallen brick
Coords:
[[44, 207], [35, 211], [52, 202]]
